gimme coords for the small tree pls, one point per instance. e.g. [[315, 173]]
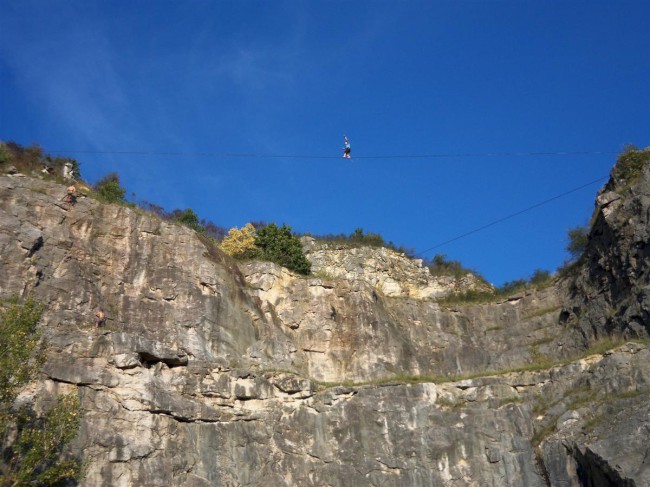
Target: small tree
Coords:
[[578, 240], [33, 453], [20, 356], [279, 245], [540, 276], [38, 457], [440, 265], [108, 188], [512, 286], [190, 219], [4, 153], [369, 239], [240, 243]]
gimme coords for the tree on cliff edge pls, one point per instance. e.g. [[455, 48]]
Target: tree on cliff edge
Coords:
[[108, 188], [280, 245]]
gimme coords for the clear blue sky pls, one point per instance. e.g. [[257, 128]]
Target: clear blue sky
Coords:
[[400, 78]]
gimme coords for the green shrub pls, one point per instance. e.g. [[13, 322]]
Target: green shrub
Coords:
[[359, 238], [630, 164], [20, 356], [279, 245], [4, 153], [440, 265], [367, 239], [471, 296], [109, 190], [569, 269], [33, 445], [540, 277], [32, 159], [190, 219], [578, 240], [511, 287], [37, 453]]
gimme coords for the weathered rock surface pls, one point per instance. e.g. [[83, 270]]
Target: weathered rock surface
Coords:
[[612, 292], [213, 374], [385, 271], [347, 330]]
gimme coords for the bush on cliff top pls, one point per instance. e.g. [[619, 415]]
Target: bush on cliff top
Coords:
[[32, 159], [267, 242], [280, 245], [240, 243], [362, 238], [109, 189], [630, 164], [189, 219], [440, 265]]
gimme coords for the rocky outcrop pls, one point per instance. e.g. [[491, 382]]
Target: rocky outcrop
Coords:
[[211, 373], [386, 271], [611, 293]]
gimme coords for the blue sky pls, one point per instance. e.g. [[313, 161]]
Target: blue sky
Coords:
[[400, 78]]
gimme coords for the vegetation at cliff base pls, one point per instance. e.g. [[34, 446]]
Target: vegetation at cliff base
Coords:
[[32, 445]]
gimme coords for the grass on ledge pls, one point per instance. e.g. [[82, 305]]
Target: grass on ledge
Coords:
[[539, 363]]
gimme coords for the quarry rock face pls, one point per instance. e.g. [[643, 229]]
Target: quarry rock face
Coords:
[[385, 270], [611, 294], [210, 372]]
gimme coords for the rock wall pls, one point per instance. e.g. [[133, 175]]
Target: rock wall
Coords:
[[345, 330], [386, 271], [611, 293], [210, 373]]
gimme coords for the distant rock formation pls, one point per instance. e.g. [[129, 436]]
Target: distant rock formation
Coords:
[[210, 372]]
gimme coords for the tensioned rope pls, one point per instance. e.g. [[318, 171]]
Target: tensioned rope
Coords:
[[312, 156], [495, 222]]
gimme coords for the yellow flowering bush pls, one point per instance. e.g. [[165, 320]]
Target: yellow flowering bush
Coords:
[[240, 242]]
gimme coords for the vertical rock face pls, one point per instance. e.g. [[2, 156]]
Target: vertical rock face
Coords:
[[348, 330], [212, 374], [612, 292]]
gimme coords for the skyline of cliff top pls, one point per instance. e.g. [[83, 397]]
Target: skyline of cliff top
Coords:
[[238, 111]]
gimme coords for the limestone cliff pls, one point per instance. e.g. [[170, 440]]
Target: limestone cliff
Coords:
[[214, 373]]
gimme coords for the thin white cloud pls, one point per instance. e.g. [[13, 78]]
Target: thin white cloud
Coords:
[[67, 70]]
